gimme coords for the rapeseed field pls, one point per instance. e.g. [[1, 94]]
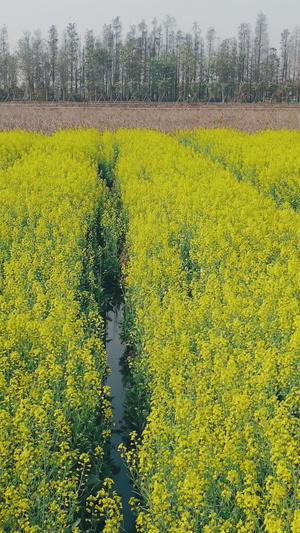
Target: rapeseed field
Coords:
[[210, 273]]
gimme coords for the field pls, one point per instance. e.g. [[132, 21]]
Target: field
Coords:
[[162, 116], [200, 229]]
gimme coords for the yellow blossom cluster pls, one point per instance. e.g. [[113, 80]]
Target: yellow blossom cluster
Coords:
[[212, 288], [54, 411], [15, 144], [269, 160]]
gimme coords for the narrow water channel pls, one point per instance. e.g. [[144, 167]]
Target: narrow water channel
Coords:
[[115, 349]]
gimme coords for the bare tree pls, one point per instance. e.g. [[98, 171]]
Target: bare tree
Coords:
[[261, 50], [25, 56], [72, 41], [284, 46], [53, 58], [4, 58]]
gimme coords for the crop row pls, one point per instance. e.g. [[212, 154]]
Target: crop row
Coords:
[[212, 291], [54, 411]]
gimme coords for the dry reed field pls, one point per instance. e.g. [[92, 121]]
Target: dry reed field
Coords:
[[48, 117]]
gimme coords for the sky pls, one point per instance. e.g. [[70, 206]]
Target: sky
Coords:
[[225, 16]]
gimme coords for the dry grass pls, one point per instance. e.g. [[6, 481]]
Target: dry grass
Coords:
[[166, 117]]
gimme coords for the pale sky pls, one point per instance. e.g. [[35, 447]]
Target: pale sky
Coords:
[[225, 16]]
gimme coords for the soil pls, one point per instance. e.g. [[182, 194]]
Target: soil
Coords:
[[48, 117]]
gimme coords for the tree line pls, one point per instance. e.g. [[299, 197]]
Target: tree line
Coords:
[[156, 63]]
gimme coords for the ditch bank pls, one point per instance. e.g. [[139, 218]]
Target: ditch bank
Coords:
[[111, 240], [115, 350]]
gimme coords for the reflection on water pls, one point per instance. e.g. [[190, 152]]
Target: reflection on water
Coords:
[[115, 349]]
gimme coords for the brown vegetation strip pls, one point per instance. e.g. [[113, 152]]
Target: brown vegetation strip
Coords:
[[166, 117]]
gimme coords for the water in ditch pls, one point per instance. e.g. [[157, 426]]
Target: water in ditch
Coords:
[[115, 350]]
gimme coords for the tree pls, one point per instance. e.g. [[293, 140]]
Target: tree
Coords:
[[116, 54], [284, 47], [225, 67], [243, 62], [25, 56], [169, 26], [63, 68], [163, 77], [210, 50], [90, 63], [261, 50], [143, 52], [188, 65], [155, 40], [39, 59], [4, 58], [72, 49], [295, 61], [53, 58]]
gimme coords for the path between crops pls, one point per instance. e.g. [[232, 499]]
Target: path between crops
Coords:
[[115, 349]]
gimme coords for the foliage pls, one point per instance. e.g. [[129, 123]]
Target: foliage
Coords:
[[159, 62]]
